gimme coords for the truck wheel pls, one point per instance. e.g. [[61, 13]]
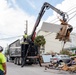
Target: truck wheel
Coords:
[[20, 61], [15, 61]]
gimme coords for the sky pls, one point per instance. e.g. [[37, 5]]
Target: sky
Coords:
[[14, 13]]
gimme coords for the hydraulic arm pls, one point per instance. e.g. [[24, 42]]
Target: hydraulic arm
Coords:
[[45, 7]]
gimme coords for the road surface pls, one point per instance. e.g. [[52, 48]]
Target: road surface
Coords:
[[13, 69]]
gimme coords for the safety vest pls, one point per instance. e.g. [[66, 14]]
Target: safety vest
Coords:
[[2, 60], [25, 36]]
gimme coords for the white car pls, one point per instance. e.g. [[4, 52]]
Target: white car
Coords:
[[61, 58]]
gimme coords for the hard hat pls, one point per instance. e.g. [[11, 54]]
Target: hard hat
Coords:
[[25, 32], [1, 49]]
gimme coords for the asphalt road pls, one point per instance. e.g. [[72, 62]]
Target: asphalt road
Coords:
[[13, 69]]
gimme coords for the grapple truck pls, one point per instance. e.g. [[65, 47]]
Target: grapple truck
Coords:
[[28, 50]]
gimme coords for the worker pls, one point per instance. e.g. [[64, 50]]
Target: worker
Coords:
[[25, 37], [2, 62]]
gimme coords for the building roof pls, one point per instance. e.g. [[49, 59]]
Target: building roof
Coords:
[[50, 27]]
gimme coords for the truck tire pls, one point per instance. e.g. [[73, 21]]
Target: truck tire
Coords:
[[20, 61], [15, 60]]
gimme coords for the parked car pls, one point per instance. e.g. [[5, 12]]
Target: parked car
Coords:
[[61, 58]]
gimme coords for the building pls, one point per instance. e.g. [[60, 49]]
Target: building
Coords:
[[49, 31], [71, 49]]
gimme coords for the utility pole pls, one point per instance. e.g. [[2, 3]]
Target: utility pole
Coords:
[[26, 29], [26, 26]]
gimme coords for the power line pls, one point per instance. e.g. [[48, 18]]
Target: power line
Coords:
[[8, 38], [72, 12], [22, 35], [72, 17], [71, 9], [45, 35], [67, 12], [4, 34]]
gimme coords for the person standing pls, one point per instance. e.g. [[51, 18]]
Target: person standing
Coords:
[[25, 36], [2, 63]]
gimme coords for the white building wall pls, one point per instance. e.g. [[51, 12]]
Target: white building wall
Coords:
[[52, 44]]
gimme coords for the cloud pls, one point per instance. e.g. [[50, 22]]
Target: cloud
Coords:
[[68, 6], [31, 3], [13, 20]]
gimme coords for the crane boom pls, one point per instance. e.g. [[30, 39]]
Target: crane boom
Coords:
[[45, 7]]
